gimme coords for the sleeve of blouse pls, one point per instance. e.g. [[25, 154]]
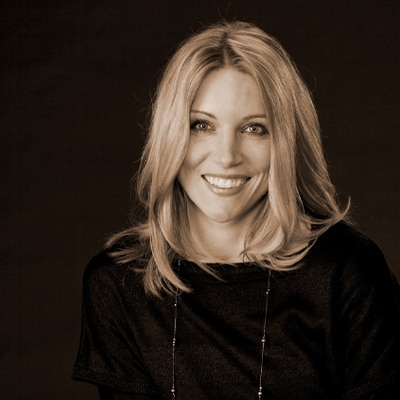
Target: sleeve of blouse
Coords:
[[108, 354], [367, 325]]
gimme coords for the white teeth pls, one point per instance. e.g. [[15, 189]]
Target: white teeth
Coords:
[[225, 183]]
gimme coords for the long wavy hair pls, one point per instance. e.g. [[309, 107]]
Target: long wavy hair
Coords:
[[301, 202]]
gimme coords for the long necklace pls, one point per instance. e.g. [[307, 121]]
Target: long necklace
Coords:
[[263, 341]]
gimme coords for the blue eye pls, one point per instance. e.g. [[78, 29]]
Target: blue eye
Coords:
[[256, 129], [200, 125]]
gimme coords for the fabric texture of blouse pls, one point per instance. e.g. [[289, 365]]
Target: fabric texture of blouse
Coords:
[[333, 328]]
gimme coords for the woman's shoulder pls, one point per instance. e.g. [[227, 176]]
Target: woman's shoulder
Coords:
[[346, 233], [108, 269], [354, 260], [346, 244], [100, 266]]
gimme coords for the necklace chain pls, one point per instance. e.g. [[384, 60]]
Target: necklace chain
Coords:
[[263, 340], [173, 390]]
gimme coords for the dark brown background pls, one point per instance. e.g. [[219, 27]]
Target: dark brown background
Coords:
[[76, 80]]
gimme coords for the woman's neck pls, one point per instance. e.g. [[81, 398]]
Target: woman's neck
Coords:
[[218, 242]]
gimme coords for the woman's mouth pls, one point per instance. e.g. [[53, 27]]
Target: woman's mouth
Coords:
[[225, 183]]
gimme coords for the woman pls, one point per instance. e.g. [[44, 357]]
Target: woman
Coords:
[[245, 281]]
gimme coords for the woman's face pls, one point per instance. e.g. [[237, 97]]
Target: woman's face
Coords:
[[225, 171]]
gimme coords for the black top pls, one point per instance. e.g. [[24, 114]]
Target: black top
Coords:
[[333, 328]]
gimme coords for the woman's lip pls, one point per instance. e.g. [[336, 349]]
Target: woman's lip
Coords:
[[223, 185], [222, 176]]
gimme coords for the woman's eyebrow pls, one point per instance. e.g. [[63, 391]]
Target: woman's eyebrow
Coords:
[[246, 118], [252, 116], [204, 113]]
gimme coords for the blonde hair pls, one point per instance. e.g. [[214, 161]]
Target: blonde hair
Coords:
[[301, 203]]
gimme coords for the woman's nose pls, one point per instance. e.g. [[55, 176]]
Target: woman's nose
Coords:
[[228, 150]]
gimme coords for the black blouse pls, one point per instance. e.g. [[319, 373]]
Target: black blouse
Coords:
[[333, 329]]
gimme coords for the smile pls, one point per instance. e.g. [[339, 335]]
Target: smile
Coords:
[[225, 183]]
